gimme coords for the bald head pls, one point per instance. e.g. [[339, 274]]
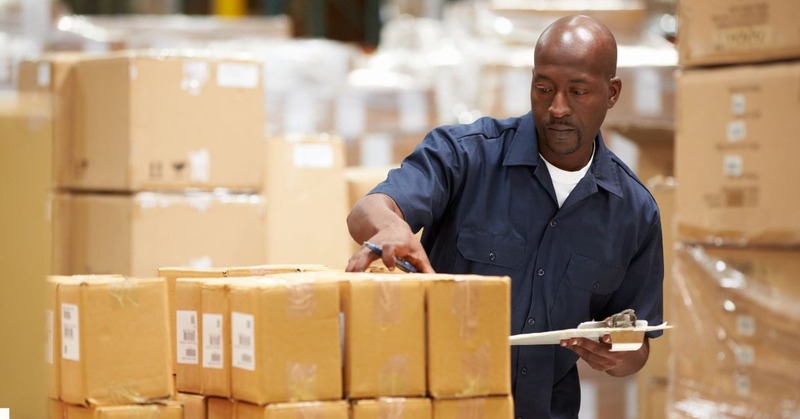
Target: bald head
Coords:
[[582, 37]]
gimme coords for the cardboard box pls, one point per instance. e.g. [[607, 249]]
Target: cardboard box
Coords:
[[188, 331], [468, 319], [500, 407], [55, 409], [379, 149], [26, 249], [316, 410], [166, 122], [302, 177], [389, 310], [285, 343], [161, 411], [194, 405], [734, 32], [738, 312], [392, 407], [732, 133], [103, 363], [220, 408], [52, 354], [136, 234], [216, 338]]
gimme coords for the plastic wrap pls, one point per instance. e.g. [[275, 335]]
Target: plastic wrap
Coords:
[[735, 348]]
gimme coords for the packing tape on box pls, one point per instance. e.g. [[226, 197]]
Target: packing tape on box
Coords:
[[466, 304], [391, 408], [387, 303], [310, 410], [394, 375], [301, 381], [300, 299], [471, 408], [125, 293], [476, 371]]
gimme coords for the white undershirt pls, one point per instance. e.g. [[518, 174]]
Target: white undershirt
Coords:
[[564, 181]]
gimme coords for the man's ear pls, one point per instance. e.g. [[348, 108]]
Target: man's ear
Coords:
[[614, 89]]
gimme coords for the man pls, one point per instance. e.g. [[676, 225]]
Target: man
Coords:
[[541, 199]]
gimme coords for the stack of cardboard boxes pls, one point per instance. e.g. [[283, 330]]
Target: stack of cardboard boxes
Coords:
[[340, 345], [735, 296]]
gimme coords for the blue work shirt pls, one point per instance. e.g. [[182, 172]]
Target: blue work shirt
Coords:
[[488, 206]]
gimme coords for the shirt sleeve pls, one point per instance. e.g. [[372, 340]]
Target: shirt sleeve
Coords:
[[643, 286], [423, 184]]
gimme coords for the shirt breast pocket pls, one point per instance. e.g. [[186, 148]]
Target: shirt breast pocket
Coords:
[[590, 275], [497, 253]]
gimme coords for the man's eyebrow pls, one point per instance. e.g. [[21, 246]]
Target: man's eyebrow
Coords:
[[545, 78]]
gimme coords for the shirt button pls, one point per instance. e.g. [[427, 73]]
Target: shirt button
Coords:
[[553, 223], [540, 272], [524, 371], [492, 256], [596, 285], [531, 321]]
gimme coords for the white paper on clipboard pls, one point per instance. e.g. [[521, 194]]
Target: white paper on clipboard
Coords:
[[622, 338]]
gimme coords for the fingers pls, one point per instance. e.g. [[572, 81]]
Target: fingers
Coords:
[[415, 255], [361, 260], [597, 355]]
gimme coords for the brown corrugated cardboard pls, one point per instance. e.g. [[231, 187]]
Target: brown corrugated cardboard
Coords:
[[474, 408], [194, 405], [176, 122], [219, 408], [137, 234], [468, 319], [160, 411], [114, 338], [741, 31], [389, 310], [25, 250], [55, 409], [301, 177], [392, 408], [316, 410], [285, 340], [738, 311], [732, 137], [188, 331], [216, 338]]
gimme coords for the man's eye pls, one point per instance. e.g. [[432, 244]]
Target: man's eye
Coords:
[[543, 89], [579, 92]]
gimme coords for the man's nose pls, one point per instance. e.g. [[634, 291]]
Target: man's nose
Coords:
[[559, 107]]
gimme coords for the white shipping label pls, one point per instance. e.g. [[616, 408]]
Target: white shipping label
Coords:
[[49, 344], [200, 165], [43, 74], [745, 355], [745, 325], [70, 332], [733, 166], [195, 76], [738, 103], [212, 341], [186, 328], [737, 131], [243, 345], [238, 75], [319, 156], [413, 111], [743, 385], [647, 92]]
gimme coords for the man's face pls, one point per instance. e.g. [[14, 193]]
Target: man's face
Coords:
[[570, 96]]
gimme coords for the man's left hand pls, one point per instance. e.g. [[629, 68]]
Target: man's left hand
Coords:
[[599, 356]]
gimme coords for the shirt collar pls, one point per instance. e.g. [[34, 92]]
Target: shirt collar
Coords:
[[524, 152]]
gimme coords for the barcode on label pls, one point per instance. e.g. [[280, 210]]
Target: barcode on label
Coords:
[[215, 340], [189, 335], [67, 315], [243, 348], [215, 357], [69, 333], [191, 353], [244, 340], [247, 359]]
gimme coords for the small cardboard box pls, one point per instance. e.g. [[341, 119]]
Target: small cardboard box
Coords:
[[499, 407], [732, 133], [114, 341], [188, 331], [285, 343], [389, 309], [392, 407], [316, 410], [216, 338], [468, 318], [736, 32], [166, 122], [148, 411]]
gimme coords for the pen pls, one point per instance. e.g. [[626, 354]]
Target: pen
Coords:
[[403, 264]]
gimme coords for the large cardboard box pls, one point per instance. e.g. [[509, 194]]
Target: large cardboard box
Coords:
[[215, 315], [305, 188], [285, 343], [188, 331], [136, 234], [468, 319], [316, 410], [166, 121], [392, 408], [740, 31], [114, 341], [738, 312], [25, 250], [160, 411], [389, 310], [499, 407], [733, 134]]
